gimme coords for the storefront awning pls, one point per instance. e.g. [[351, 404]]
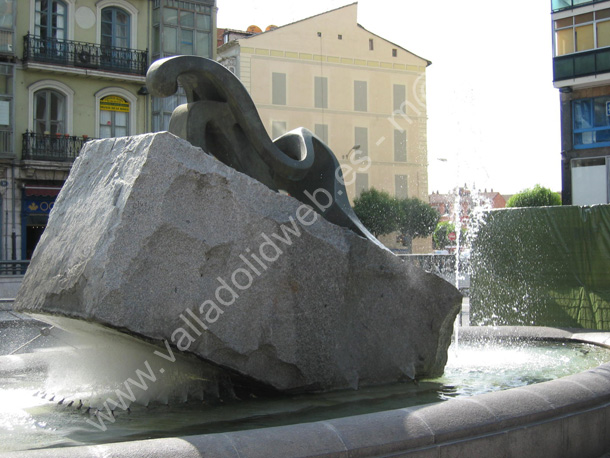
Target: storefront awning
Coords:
[[43, 191]]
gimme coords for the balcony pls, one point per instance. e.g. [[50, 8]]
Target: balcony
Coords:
[[84, 55], [48, 147], [558, 5], [581, 64]]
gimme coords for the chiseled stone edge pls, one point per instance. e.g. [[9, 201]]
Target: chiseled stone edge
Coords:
[[567, 417]]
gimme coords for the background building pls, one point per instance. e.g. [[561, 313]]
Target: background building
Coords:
[[581, 72], [180, 27], [73, 70], [466, 201], [361, 94]]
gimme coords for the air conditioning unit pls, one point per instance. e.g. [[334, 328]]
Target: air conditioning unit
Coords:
[[85, 58]]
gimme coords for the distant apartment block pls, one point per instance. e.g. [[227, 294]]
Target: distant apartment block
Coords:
[[361, 94]]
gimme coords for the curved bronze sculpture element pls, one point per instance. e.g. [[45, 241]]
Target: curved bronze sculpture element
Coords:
[[220, 117]]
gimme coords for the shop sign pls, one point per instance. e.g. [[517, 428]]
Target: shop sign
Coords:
[[114, 103], [37, 207]]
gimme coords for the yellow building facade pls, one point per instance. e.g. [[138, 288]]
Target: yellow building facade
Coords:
[[361, 94]]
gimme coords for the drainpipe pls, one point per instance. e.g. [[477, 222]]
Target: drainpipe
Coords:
[[14, 233]]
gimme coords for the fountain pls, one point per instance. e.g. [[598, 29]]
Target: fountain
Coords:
[[192, 287]]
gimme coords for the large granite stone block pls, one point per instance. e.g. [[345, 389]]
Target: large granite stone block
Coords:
[[153, 236]]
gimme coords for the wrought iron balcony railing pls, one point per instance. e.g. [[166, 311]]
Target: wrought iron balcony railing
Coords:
[[51, 147], [581, 64], [13, 267], [84, 55]]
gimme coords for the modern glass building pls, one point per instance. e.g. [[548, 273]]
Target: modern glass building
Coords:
[[581, 72]]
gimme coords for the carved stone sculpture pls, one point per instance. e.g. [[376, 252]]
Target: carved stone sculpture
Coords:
[[153, 237]]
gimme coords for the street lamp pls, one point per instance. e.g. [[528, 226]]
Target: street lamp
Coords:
[[354, 148]]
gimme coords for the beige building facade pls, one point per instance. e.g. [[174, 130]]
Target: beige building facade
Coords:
[[361, 94]]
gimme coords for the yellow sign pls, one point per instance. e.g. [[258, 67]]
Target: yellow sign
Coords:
[[114, 103]]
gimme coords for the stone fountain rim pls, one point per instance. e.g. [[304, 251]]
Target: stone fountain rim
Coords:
[[564, 417]]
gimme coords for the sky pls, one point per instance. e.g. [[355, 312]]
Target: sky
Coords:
[[493, 114]]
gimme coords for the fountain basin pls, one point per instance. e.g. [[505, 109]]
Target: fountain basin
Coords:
[[564, 417]]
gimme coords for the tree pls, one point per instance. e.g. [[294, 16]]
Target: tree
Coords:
[[441, 234], [536, 197], [378, 211], [415, 219]]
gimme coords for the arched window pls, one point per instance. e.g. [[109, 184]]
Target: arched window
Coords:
[[116, 112], [115, 28], [50, 19], [114, 117], [49, 112], [115, 38]]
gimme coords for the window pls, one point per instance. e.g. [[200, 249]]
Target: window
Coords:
[[278, 128], [116, 112], [340, 37], [6, 105], [50, 25], [401, 190], [582, 32], [371, 45], [278, 88], [49, 112], [115, 38], [362, 183], [50, 19], [590, 181], [321, 131], [181, 27], [50, 105], [591, 122], [115, 28], [360, 96], [320, 92], [163, 108], [361, 137], [400, 145], [6, 14], [114, 117], [394, 52], [399, 97]]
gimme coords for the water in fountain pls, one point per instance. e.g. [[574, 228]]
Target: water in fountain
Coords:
[[467, 217], [174, 405]]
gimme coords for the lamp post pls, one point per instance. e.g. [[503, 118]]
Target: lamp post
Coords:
[[354, 148]]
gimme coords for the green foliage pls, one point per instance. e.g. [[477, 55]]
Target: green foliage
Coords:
[[378, 211], [382, 214], [536, 197], [441, 234], [416, 218]]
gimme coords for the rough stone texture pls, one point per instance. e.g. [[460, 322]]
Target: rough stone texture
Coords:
[[147, 227]]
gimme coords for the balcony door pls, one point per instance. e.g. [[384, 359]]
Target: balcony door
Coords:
[[49, 112], [115, 38], [48, 141], [50, 26]]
